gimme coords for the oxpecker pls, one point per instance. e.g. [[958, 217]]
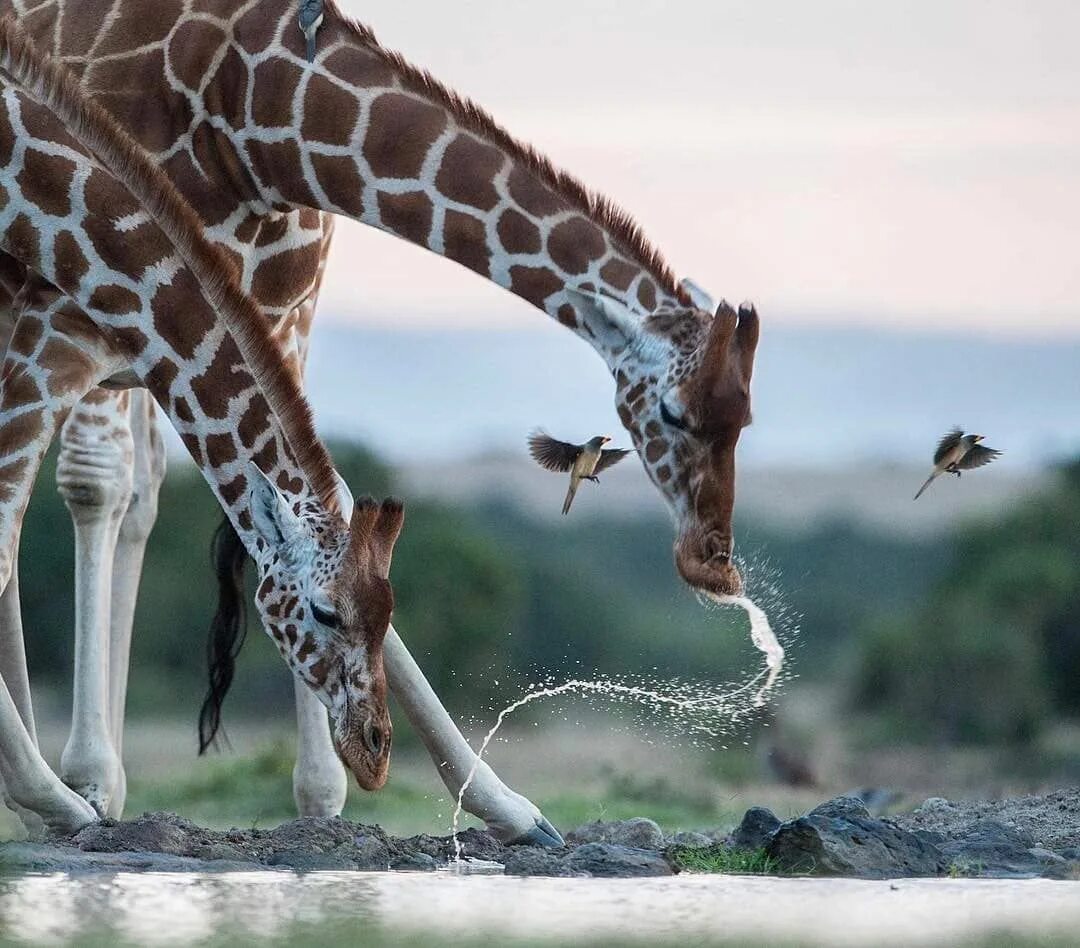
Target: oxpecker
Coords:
[[583, 461]]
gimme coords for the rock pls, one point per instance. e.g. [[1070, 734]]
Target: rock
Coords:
[[613, 861], [301, 861], [530, 861], [318, 834], [42, 857], [878, 800], [413, 862], [213, 852], [840, 838], [637, 833], [370, 853], [478, 844], [150, 833], [690, 841], [990, 848], [756, 829]]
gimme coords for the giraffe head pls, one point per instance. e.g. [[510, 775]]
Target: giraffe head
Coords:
[[324, 596], [683, 392]]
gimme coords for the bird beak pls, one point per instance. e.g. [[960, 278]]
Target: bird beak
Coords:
[[606, 439], [980, 437]]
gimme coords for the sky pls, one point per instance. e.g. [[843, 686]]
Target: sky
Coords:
[[903, 165]]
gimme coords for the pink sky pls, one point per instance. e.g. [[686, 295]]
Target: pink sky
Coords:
[[911, 164]]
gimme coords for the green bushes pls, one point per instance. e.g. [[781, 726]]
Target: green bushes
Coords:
[[993, 652]]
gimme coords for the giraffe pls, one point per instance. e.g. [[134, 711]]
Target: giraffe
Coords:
[[169, 310], [223, 95]]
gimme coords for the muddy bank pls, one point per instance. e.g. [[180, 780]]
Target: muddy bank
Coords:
[[1024, 837]]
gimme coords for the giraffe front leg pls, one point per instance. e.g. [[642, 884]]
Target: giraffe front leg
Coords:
[[94, 476], [319, 779], [509, 816], [135, 527], [44, 373]]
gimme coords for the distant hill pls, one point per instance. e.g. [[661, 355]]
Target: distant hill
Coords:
[[822, 398]]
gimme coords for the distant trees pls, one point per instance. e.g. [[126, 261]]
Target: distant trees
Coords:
[[973, 640], [994, 652]]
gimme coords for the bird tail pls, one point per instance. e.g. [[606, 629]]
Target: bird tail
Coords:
[[569, 497], [929, 481]]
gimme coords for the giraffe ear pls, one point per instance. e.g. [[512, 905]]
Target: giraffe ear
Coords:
[[346, 503], [272, 514], [701, 299], [611, 321]]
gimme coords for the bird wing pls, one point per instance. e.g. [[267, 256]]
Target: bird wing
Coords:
[[552, 454], [609, 458], [977, 457], [946, 444]]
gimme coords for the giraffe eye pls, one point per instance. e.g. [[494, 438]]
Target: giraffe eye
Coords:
[[670, 418], [326, 617]]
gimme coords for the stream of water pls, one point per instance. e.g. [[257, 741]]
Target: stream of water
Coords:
[[695, 709]]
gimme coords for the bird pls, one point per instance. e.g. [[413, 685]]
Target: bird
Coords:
[[311, 18], [583, 461], [958, 452]]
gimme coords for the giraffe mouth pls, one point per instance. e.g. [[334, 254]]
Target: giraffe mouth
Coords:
[[707, 564]]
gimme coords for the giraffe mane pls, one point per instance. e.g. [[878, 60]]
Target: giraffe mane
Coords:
[[604, 212], [59, 91]]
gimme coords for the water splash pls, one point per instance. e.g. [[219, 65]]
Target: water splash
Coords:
[[764, 639], [710, 713]]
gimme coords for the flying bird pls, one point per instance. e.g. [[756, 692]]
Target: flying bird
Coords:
[[583, 461], [311, 18], [958, 452]]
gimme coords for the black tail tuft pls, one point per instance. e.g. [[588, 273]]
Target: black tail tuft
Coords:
[[227, 630]]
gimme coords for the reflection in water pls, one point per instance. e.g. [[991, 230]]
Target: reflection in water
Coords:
[[171, 909]]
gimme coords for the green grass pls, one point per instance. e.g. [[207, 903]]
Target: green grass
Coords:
[[726, 861], [256, 791]]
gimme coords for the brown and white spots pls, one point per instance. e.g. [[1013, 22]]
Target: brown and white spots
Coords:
[[574, 244], [467, 172], [407, 215], [401, 132], [464, 240], [518, 234], [535, 284]]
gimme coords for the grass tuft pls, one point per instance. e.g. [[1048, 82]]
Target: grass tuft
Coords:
[[724, 860]]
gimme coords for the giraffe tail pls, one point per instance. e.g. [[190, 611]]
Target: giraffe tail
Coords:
[[929, 481], [569, 496]]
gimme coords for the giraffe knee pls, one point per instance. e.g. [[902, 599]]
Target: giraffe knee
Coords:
[[94, 476]]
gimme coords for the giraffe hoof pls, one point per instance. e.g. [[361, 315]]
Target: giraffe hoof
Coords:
[[543, 834]]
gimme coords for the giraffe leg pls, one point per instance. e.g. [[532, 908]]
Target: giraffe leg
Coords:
[[319, 779], [45, 372], [138, 521], [94, 476], [509, 816], [13, 671]]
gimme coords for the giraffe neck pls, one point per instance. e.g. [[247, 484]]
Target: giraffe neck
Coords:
[[170, 308], [362, 133], [223, 96]]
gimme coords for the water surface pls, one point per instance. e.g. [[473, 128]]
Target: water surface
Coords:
[[386, 908]]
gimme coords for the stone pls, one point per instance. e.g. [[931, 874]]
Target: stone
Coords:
[[608, 860], [991, 848], [841, 838], [756, 829], [370, 853], [302, 861], [530, 861], [636, 833], [413, 862], [690, 841], [151, 833]]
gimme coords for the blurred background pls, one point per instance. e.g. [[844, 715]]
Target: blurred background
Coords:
[[898, 189]]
